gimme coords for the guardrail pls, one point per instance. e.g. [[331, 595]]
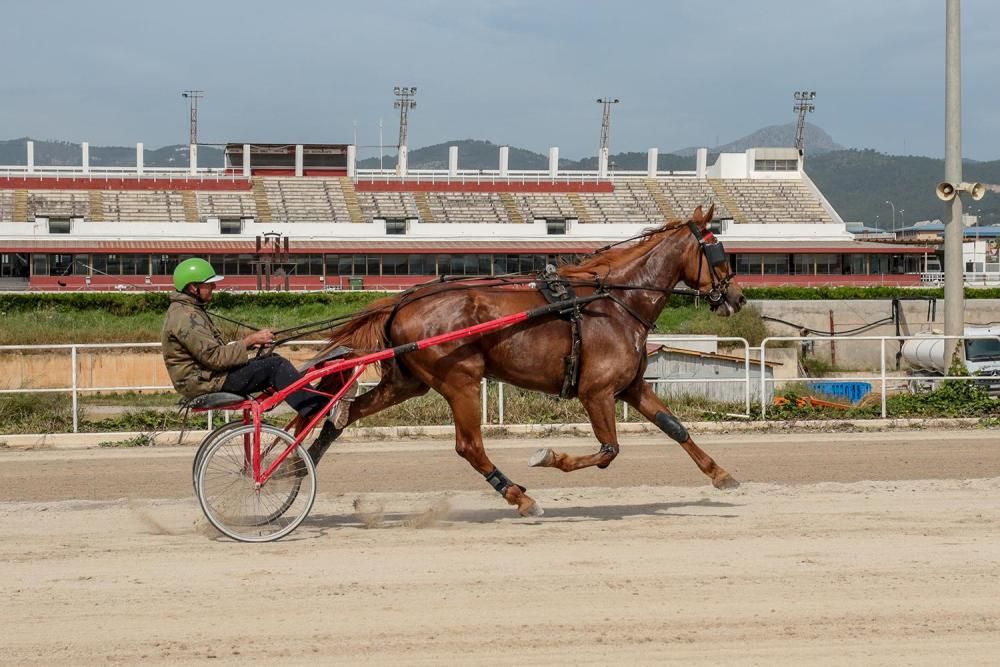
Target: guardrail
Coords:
[[75, 389], [883, 378]]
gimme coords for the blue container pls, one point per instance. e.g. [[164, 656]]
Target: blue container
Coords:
[[852, 391]]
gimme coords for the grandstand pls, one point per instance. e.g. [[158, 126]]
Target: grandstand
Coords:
[[772, 213]]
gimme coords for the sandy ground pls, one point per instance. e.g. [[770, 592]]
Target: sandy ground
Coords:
[[846, 548]]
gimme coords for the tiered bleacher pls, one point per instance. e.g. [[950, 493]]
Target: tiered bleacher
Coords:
[[6, 205], [304, 200], [388, 205], [775, 201], [58, 204], [225, 205], [316, 199], [144, 205]]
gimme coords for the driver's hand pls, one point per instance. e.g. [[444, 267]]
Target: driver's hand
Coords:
[[262, 337]]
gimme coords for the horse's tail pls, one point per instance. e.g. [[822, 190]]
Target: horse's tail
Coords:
[[366, 331]]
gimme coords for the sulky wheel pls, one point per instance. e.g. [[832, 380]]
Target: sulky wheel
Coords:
[[206, 444], [232, 502]]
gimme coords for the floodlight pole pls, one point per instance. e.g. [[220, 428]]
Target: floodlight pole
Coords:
[[606, 121], [954, 269], [193, 96], [404, 102], [803, 105]]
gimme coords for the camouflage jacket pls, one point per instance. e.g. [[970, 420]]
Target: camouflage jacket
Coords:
[[197, 356]]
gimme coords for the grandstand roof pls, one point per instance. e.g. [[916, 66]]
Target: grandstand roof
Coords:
[[426, 246]]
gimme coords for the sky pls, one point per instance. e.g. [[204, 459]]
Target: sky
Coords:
[[521, 72]]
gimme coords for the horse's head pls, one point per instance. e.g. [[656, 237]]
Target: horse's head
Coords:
[[705, 267]]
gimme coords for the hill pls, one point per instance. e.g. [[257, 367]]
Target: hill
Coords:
[[817, 141], [858, 183], [64, 153]]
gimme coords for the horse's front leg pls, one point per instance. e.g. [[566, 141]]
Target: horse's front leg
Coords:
[[641, 396], [469, 445], [601, 410]]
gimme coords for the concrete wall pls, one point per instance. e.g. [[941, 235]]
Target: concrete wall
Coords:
[[846, 315]]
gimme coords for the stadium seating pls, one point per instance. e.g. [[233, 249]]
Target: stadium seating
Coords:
[[58, 204], [142, 206], [776, 201], [286, 199], [6, 205], [225, 205]]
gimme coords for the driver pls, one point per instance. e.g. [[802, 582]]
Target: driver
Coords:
[[200, 361]]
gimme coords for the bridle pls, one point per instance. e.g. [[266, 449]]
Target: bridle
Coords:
[[714, 253]]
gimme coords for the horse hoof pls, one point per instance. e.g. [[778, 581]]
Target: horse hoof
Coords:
[[534, 509], [726, 482], [541, 458]]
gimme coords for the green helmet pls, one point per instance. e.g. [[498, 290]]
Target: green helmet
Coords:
[[194, 270]]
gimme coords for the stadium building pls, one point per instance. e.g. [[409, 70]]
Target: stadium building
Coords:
[[304, 216]]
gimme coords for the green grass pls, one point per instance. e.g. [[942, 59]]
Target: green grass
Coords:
[[50, 326], [59, 325]]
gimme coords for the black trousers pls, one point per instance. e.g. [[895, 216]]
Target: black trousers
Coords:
[[272, 371]]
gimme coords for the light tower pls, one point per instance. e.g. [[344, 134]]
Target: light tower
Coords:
[[193, 96], [602, 151], [803, 105], [404, 102]]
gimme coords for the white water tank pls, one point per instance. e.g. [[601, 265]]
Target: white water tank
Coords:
[[928, 354], [925, 354]]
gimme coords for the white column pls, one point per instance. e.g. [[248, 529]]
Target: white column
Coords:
[[453, 160], [352, 159], [31, 156], [554, 161], [652, 162], [193, 156], [298, 159], [401, 165], [602, 163], [246, 160], [504, 158], [140, 158], [701, 162], [85, 157]]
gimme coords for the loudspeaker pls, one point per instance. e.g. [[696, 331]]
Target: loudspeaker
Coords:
[[945, 191], [977, 190]]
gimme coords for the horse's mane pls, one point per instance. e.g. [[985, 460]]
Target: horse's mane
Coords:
[[601, 263]]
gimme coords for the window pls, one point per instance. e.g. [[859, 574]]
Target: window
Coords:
[[555, 226], [749, 264], [394, 265], [395, 227], [775, 265], [819, 264], [775, 165], [855, 264], [352, 265], [134, 265], [231, 226], [59, 226]]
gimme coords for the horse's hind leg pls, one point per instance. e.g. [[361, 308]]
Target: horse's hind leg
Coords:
[[392, 390], [469, 445], [601, 410], [641, 396]]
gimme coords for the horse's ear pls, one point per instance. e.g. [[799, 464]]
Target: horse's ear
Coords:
[[696, 216], [711, 212]]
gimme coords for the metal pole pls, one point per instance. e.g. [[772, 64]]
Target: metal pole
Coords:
[[954, 283], [500, 403], [76, 397]]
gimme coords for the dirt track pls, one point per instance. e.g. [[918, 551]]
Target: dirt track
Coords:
[[838, 549]]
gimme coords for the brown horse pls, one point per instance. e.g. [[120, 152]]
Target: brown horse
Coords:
[[638, 278]]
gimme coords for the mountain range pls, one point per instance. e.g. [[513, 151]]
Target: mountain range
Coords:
[[858, 183]]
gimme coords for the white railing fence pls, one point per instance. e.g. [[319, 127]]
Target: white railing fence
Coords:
[[883, 378]]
